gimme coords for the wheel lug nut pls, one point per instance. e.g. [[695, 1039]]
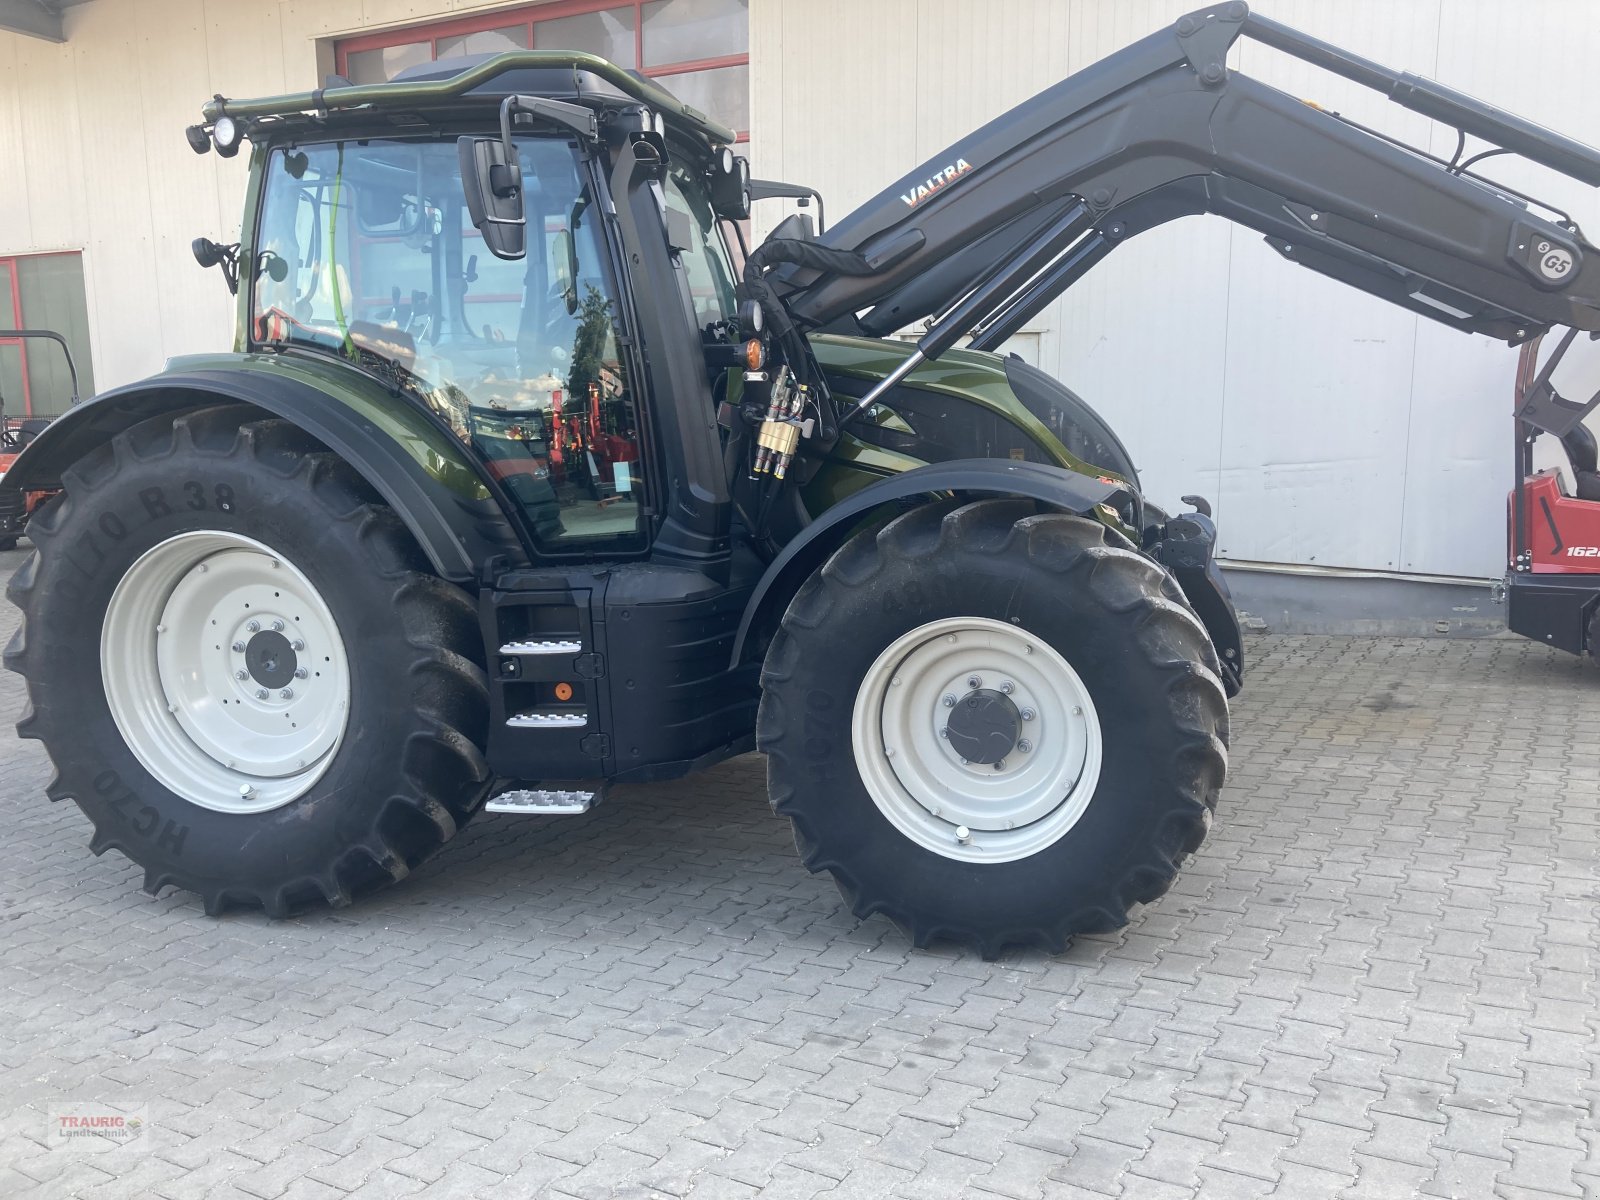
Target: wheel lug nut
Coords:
[[963, 835], [261, 693], [1007, 687], [246, 791], [944, 731], [277, 626], [241, 676], [300, 672], [253, 626], [1025, 745], [287, 693], [949, 701], [238, 647], [297, 645], [974, 682], [1001, 765], [1027, 714]]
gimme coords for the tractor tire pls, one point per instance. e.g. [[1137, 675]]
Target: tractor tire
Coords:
[[200, 584], [993, 726]]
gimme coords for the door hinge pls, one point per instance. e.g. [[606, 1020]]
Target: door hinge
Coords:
[[596, 745], [590, 666]]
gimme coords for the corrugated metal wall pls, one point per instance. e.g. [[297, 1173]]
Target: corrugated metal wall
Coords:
[[1330, 428]]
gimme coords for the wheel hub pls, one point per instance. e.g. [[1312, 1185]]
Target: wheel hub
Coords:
[[976, 739], [270, 659], [225, 672], [985, 727]]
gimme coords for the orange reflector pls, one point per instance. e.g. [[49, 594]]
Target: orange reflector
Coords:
[[752, 354], [563, 691]]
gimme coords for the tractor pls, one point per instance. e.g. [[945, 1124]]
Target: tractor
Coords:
[[528, 475]]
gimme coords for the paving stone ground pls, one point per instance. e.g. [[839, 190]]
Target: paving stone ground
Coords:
[[1377, 978]]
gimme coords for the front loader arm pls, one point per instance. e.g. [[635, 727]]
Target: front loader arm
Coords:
[[991, 230]]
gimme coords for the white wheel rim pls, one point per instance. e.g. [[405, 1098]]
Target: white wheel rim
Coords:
[[187, 619], [969, 811]]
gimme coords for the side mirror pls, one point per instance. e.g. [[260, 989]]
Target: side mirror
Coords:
[[491, 178]]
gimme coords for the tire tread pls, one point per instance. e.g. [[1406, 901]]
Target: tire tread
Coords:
[[452, 694], [1127, 584]]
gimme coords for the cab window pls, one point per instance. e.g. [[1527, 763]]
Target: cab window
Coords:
[[366, 252]]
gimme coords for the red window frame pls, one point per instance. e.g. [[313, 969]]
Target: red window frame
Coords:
[[8, 280], [526, 16]]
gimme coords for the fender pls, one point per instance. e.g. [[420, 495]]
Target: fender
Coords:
[[1187, 547], [1078, 494], [446, 503]]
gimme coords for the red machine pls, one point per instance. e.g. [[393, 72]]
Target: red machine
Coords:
[[16, 432], [1553, 577]]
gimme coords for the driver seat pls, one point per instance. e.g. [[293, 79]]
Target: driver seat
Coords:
[[1584, 455]]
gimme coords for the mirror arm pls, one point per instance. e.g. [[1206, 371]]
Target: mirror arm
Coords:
[[772, 189], [575, 117]]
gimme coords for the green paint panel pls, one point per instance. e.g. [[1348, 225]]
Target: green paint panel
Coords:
[[437, 452], [973, 375]]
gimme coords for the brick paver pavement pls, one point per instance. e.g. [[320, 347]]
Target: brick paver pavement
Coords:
[[1378, 978]]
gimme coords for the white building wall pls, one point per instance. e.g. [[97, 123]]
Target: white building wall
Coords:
[[1330, 428]]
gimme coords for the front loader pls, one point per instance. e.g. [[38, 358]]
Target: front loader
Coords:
[[513, 487]]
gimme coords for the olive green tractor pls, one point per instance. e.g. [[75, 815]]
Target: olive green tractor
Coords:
[[526, 475]]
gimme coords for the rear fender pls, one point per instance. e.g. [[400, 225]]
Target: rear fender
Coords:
[[444, 501], [1077, 494]]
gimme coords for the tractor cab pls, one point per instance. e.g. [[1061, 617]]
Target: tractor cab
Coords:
[[369, 249]]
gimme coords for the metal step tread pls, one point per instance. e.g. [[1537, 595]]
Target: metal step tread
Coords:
[[553, 646], [547, 720], [544, 802]]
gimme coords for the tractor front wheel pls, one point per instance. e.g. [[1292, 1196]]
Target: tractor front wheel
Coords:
[[994, 726], [242, 669]]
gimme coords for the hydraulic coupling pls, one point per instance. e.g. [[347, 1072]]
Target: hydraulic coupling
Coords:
[[783, 425]]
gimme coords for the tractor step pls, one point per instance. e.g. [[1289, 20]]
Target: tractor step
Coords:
[[531, 648], [545, 802], [547, 720]]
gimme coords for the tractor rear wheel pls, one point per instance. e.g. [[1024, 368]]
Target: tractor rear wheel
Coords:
[[994, 726], [242, 669]]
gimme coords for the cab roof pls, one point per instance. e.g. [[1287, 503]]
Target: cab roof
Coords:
[[451, 86]]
